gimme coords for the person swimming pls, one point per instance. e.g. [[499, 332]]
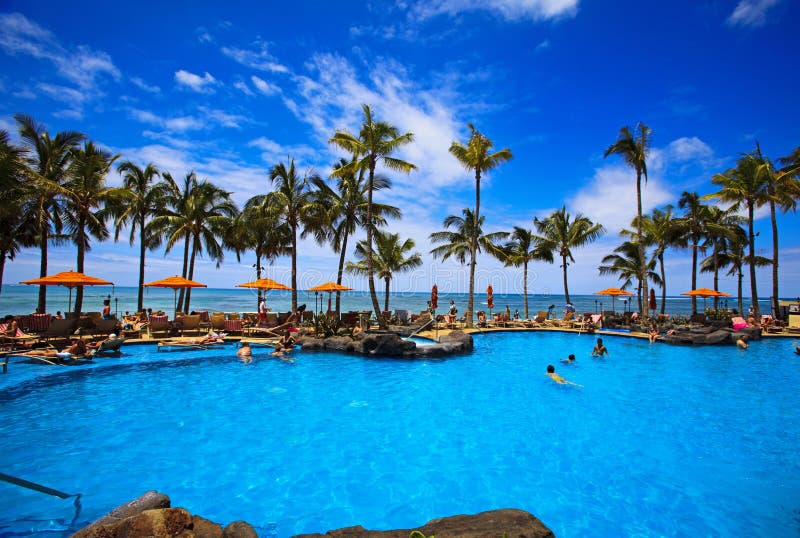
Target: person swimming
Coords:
[[551, 373], [570, 359], [741, 342], [245, 352], [599, 349]]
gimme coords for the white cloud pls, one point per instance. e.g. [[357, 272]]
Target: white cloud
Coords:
[[544, 45], [511, 10], [204, 84], [273, 152], [750, 13], [259, 59], [142, 85], [264, 87], [210, 117], [243, 87], [686, 148]]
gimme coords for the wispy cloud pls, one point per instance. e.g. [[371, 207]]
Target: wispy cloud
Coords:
[[542, 46], [142, 85], [243, 87], [204, 84], [258, 58], [264, 87], [750, 13], [511, 10], [272, 152], [208, 117]]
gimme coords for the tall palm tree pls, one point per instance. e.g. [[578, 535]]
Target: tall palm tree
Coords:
[[48, 162], [475, 155], [177, 198], [455, 241], [633, 147], [85, 196], [294, 205], [745, 184], [14, 231], [661, 230], [206, 215], [347, 205], [390, 258], [560, 232], [720, 226], [376, 141], [692, 223], [783, 191], [734, 257], [627, 265], [144, 199], [523, 248]]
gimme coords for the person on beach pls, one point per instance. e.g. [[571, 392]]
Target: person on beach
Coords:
[[451, 315], [599, 349], [262, 311], [551, 373], [106, 308]]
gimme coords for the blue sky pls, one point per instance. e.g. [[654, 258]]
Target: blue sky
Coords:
[[230, 89]]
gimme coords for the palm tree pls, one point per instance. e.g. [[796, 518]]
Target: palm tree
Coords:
[[720, 226], [389, 258], [206, 214], [294, 205], [475, 155], [376, 141], [734, 256], [176, 205], [559, 232], [522, 249], [456, 238], [633, 147], [746, 184], [14, 231], [347, 205], [143, 200], [627, 265], [85, 196], [48, 164], [692, 225], [661, 230], [783, 190]]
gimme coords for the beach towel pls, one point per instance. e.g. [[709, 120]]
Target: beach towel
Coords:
[[738, 323]]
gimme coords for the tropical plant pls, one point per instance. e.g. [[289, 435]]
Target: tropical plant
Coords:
[[176, 205], [633, 147], [86, 196], [628, 266], [347, 205], [456, 239], [734, 256], [746, 184], [376, 141], [14, 232], [561, 233], [475, 155], [720, 226], [390, 258], [523, 248], [47, 161], [692, 225], [142, 200]]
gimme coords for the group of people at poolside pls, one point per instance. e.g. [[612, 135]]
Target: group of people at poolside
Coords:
[[599, 351]]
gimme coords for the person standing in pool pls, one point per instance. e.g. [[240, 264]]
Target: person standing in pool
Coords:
[[245, 352], [551, 373], [600, 350], [741, 342]]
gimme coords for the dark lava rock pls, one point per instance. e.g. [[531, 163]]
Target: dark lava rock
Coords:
[[151, 500], [204, 528], [239, 529]]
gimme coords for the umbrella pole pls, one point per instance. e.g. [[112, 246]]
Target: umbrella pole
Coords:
[[174, 302]]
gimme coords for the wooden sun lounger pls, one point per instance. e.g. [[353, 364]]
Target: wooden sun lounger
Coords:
[[188, 344]]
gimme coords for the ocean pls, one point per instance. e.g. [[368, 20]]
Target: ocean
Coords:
[[21, 299]]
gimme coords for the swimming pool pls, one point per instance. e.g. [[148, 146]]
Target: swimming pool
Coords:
[[662, 440]]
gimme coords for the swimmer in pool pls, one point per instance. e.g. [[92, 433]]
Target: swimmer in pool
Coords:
[[551, 373], [741, 342], [600, 350], [570, 359], [245, 352]]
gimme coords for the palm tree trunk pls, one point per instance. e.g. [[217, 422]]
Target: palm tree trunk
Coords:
[[694, 275], [525, 286], [188, 295], [79, 264], [370, 264], [716, 274], [775, 305], [739, 289], [142, 251], [3, 255], [386, 295], [41, 306], [294, 267], [566, 288], [340, 274], [663, 283], [258, 277], [473, 247], [752, 240], [643, 271], [182, 293]]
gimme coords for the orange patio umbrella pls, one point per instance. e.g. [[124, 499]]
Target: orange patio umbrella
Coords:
[[175, 282], [613, 292], [264, 284], [69, 279], [705, 293], [330, 287]]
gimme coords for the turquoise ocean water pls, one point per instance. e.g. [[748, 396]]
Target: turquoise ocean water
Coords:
[[21, 299]]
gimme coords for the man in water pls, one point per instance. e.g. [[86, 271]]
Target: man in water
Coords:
[[551, 373], [599, 350], [245, 352], [741, 342], [570, 359]]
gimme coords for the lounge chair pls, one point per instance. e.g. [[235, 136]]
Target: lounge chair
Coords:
[[158, 326], [402, 316], [59, 329], [794, 323], [541, 319], [191, 324], [103, 326], [218, 321]]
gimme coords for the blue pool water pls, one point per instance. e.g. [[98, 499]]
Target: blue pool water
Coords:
[[662, 441]]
